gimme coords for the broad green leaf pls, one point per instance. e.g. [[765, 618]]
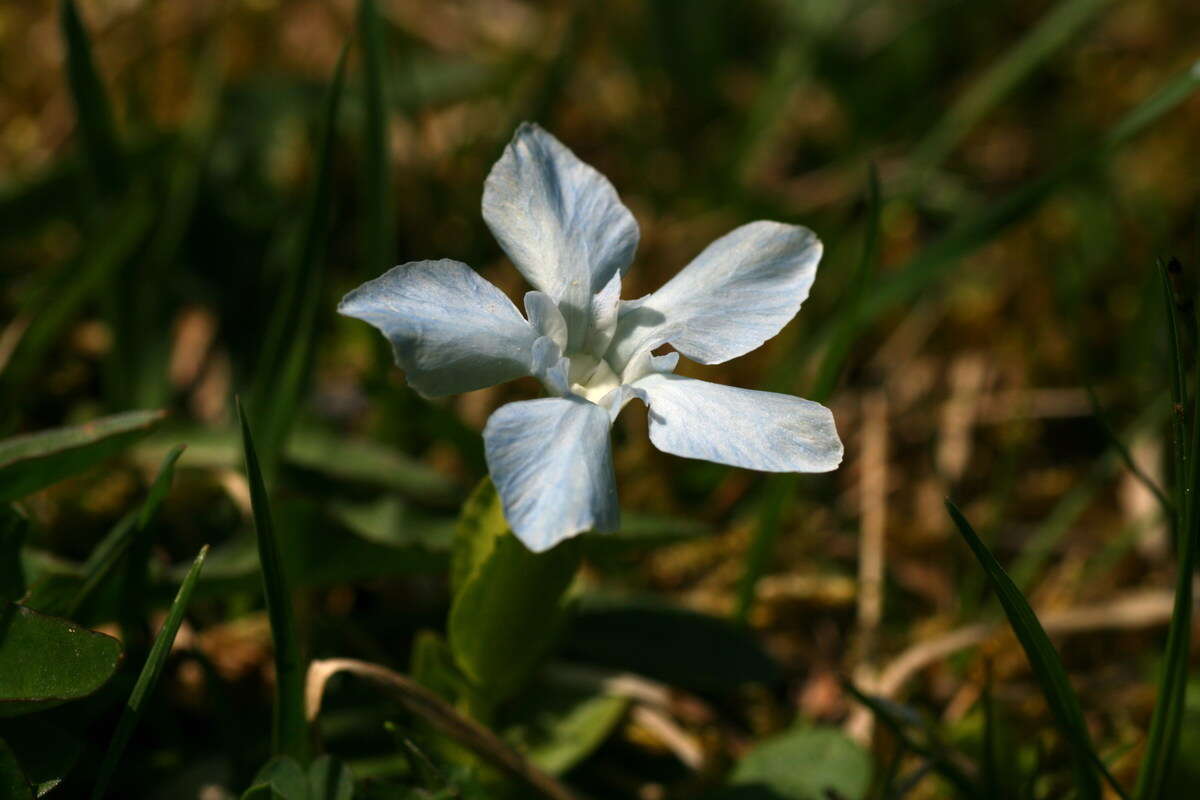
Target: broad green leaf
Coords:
[[508, 605], [556, 728], [480, 525], [390, 522], [378, 231], [281, 778], [370, 463], [289, 726], [13, 785], [330, 456], [46, 661], [433, 667], [34, 461], [148, 677], [13, 528], [92, 110], [1043, 659], [679, 647], [329, 779], [806, 763]]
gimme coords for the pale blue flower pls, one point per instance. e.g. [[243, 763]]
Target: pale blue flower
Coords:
[[565, 229]]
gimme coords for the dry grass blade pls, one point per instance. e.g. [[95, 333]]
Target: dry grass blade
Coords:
[[438, 713]]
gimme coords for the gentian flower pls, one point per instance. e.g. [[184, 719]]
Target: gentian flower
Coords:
[[563, 226]]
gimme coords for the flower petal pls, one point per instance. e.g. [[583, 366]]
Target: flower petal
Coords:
[[734, 296], [552, 465], [451, 330], [544, 315], [548, 365], [560, 221], [740, 427]]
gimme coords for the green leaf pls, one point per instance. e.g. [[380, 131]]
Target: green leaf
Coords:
[[508, 605], [805, 763], [289, 730], [290, 339], [683, 648], [46, 752], [480, 524], [1166, 724], [53, 597], [148, 677], [357, 461], [46, 661], [13, 785], [281, 778], [329, 779], [92, 109], [64, 599], [135, 582], [377, 206], [37, 460], [13, 528], [1043, 659], [433, 667], [559, 727]]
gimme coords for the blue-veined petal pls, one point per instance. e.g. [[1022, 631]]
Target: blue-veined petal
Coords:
[[743, 428], [561, 223], [734, 296], [551, 462], [450, 329]]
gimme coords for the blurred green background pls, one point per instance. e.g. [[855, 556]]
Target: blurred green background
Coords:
[[180, 242]]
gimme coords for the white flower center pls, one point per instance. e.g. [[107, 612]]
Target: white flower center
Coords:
[[591, 378]]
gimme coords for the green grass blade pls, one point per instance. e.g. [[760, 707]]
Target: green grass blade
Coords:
[[779, 489], [971, 234], [1047, 37], [777, 500], [129, 534], [1118, 444], [1178, 399], [133, 591], [148, 677], [92, 109], [63, 297], [379, 235], [939, 760], [1043, 659], [160, 488], [104, 558], [289, 729], [1166, 724], [839, 347], [291, 338]]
